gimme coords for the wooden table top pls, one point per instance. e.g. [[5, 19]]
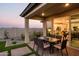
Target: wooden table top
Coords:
[[49, 39], [53, 39]]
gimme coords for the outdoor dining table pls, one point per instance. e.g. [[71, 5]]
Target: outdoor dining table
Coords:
[[51, 41]]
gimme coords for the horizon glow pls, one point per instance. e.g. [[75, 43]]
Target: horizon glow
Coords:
[[9, 16]]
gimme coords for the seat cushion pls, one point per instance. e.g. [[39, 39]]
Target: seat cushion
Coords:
[[46, 45], [58, 46]]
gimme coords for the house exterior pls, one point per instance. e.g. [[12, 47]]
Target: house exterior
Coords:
[[59, 14]]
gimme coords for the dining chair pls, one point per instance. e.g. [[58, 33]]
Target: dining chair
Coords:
[[53, 36], [35, 44], [62, 46], [59, 37], [43, 46]]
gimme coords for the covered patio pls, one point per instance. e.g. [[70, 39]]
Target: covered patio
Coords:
[[59, 15]]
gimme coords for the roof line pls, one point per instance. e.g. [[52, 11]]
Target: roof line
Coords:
[[29, 8], [35, 9]]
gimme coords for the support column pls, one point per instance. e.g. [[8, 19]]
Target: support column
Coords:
[[69, 41], [44, 28], [52, 24], [27, 30]]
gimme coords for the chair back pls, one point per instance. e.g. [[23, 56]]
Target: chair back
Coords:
[[53, 36], [41, 43], [63, 44], [36, 41], [58, 37]]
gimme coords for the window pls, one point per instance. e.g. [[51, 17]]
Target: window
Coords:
[[75, 31]]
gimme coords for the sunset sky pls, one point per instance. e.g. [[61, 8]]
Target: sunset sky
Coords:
[[9, 16]]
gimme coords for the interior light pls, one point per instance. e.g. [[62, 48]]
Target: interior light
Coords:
[[67, 4], [42, 14]]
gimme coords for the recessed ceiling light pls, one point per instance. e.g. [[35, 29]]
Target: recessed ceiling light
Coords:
[[42, 14], [67, 4]]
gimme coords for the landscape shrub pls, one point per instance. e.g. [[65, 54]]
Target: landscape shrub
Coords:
[[14, 42]]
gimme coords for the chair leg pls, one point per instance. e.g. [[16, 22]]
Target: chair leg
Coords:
[[37, 49], [61, 53], [57, 51], [66, 51], [33, 46], [42, 52], [48, 51]]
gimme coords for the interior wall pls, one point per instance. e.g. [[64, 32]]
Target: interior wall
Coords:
[[62, 22]]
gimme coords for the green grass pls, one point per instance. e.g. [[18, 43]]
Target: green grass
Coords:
[[75, 43], [14, 42], [12, 47], [2, 44]]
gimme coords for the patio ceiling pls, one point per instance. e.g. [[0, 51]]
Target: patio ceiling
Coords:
[[75, 16], [51, 9]]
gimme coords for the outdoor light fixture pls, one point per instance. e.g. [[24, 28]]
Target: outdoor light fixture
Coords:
[[67, 4], [42, 14]]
